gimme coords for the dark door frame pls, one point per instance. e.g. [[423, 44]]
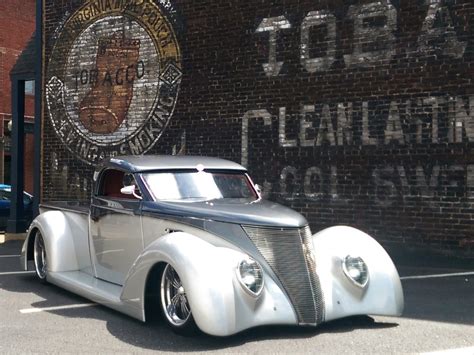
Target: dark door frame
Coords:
[[17, 221]]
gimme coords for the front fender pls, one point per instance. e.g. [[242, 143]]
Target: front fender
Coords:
[[219, 304], [383, 294]]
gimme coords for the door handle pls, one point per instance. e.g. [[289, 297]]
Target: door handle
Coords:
[[169, 230]]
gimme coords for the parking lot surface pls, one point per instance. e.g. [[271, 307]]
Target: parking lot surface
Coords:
[[438, 317]]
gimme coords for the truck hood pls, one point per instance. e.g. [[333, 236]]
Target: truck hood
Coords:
[[258, 213]]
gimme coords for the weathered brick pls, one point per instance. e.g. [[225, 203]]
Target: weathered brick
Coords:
[[357, 114]]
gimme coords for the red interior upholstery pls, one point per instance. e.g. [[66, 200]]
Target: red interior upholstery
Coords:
[[113, 183]]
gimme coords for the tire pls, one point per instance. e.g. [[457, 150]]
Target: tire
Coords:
[[39, 254], [174, 303]]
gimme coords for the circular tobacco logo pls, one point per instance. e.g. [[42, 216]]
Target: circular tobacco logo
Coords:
[[113, 78]]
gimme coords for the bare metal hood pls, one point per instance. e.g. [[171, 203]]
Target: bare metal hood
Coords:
[[258, 213]]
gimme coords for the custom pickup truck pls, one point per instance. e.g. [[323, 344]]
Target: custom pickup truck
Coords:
[[191, 238]]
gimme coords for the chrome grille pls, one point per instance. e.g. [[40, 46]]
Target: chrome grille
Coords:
[[288, 251]]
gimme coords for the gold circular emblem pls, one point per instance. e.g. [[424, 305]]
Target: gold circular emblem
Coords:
[[113, 78]]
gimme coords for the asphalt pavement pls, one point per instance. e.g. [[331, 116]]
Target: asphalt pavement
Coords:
[[438, 317]]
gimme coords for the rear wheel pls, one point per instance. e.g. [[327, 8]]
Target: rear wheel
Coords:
[[39, 253], [175, 304]]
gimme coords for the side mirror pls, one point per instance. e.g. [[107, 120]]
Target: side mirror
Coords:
[[130, 190], [258, 188]]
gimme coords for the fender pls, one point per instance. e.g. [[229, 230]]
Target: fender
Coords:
[[65, 236], [383, 294], [219, 303]]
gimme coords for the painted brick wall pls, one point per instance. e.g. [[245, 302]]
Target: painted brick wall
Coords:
[[357, 113]]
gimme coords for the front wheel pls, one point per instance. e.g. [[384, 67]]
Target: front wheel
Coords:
[[175, 304], [40, 258]]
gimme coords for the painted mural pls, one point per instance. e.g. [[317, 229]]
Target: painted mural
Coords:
[[114, 78], [355, 112], [384, 122]]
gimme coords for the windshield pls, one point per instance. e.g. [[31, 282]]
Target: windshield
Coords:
[[198, 186]]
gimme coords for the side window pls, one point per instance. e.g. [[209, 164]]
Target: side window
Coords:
[[112, 182]]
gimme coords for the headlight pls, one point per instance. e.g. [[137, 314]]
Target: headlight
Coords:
[[356, 270], [250, 275]]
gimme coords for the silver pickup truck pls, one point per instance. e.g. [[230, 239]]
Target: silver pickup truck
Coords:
[[191, 238]]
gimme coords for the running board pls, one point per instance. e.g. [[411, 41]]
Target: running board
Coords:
[[99, 291]]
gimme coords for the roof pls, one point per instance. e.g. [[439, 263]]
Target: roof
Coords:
[[140, 163]]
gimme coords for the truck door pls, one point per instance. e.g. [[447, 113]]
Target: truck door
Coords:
[[115, 228]]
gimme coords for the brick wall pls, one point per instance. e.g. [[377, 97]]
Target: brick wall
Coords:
[[355, 113], [17, 23]]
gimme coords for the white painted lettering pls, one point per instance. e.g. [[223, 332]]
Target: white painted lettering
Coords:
[[440, 39], [326, 129], [374, 26], [405, 187], [313, 183], [470, 181], [313, 19], [344, 123], [305, 126], [433, 102], [393, 128], [427, 188], [288, 182], [385, 190], [284, 142], [366, 138], [333, 182], [463, 121], [273, 25], [252, 114]]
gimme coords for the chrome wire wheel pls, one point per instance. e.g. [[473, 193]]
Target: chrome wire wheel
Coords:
[[41, 264], [173, 298]]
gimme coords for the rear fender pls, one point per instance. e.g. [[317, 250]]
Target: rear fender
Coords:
[[65, 236], [383, 294]]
